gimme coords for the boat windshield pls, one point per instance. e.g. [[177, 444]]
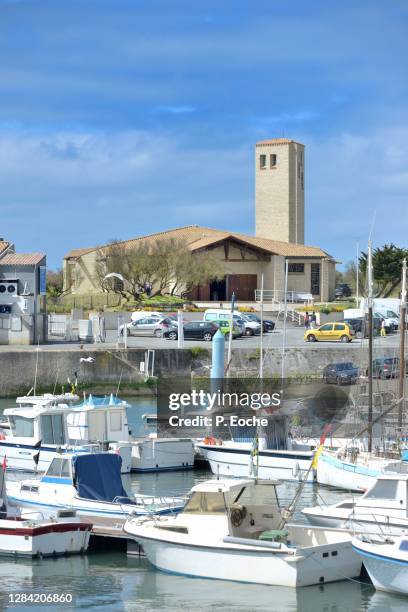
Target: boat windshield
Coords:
[[383, 489], [205, 503], [21, 427], [59, 468], [258, 495]]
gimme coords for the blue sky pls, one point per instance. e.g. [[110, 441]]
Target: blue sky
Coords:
[[125, 117]]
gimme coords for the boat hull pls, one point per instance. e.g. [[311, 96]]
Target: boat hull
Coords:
[[24, 540], [387, 573], [259, 567], [281, 465], [156, 455], [334, 472], [374, 523]]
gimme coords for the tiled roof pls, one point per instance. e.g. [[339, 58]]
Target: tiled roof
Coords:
[[198, 237], [4, 245], [22, 259]]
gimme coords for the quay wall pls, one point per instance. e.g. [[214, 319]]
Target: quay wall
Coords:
[[106, 367]]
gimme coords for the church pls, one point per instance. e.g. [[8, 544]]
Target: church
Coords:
[[278, 242]]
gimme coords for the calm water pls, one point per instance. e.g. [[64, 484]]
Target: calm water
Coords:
[[112, 581]]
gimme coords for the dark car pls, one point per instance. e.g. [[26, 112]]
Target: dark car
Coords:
[[342, 291], [268, 324], [340, 373], [194, 330], [360, 326], [386, 367]]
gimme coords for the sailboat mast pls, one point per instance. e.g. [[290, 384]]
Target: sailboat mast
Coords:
[[403, 317], [370, 346]]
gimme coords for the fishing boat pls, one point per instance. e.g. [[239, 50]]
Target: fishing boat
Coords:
[[91, 485], [231, 529], [349, 468], [354, 471], [31, 535], [383, 508], [232, 458], [386, 561]]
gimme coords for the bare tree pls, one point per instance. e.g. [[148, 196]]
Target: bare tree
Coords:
[[166, 265]]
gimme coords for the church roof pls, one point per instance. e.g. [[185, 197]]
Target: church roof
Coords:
[[198, 237]]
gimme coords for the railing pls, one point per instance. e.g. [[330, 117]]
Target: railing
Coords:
[[273, 295], [277, 300]]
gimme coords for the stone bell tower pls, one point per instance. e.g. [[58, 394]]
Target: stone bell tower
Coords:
[[279, 190]]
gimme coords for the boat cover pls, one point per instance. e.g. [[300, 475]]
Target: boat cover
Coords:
[[97, 476]]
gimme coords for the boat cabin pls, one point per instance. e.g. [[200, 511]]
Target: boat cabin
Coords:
[[30, 425], [99, 419], [389, 493], [250, 507]]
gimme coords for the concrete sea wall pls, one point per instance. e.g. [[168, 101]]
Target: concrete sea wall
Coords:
[[105, 367]]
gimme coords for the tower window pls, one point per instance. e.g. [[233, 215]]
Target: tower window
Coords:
[[262, 162], [273, 160]]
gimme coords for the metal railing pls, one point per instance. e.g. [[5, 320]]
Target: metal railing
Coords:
[[276, 299], [276, 296]]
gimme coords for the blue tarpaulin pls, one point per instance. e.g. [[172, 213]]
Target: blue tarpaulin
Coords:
[[97, 476]]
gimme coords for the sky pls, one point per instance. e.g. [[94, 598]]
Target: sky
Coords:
[[120, 118]]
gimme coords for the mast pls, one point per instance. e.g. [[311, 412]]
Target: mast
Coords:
[[370, 346], [403, 316], [262, 314]]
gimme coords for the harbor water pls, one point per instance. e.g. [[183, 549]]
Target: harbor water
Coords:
[[110, 580]]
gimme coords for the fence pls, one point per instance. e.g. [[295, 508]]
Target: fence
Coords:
[[86, 302]]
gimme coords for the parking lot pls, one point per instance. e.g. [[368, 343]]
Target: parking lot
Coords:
[[294, 339]]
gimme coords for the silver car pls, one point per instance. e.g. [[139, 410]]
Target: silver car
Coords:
[[148, 326]]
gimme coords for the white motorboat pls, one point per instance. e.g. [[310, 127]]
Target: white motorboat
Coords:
[[33, 536], [232, 458], [386, 561], [91, 485], [383, 508], [231, 530], [105, 418], [354, 471], [35, 434]]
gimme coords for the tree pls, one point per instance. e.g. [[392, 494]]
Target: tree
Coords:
[[167, 265], [387, 268], [55, 281]]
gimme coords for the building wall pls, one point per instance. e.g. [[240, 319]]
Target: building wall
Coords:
[[279, 192], [84, 280], [27, 323]]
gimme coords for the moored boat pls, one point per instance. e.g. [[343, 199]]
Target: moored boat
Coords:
[[232, 530], [91, 485], [386, 561], [382, 509]]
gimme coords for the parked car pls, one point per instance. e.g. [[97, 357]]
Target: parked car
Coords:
[[332, 332], [141, 314], [268, 324], [342, 290], [224, 327], [340, 373], [249, 328], [361, 328], [194, 330], [148, 326], [386, 367]]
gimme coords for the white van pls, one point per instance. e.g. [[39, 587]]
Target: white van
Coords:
[[248, 328], [358, 313]]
